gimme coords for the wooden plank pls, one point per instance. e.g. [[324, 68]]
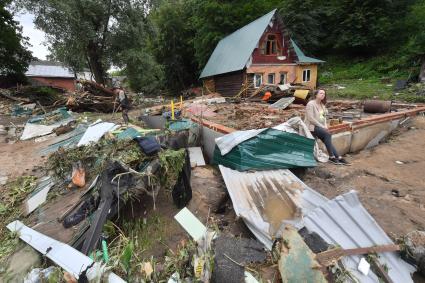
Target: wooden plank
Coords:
[[297, 262], [380, 271], [327, 258]]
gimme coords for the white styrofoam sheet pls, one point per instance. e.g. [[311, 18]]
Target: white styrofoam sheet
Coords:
[[95, 132], [62, 254], [196, 156]]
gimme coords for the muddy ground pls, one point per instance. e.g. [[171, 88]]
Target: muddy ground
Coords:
[[390, 179]]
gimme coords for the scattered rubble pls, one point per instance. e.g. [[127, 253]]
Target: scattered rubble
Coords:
[[84, 211]]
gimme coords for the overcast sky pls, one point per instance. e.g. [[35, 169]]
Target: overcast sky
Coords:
[[36, 36]]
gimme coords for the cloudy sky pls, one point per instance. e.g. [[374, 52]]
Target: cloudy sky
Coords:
[[36, 37]]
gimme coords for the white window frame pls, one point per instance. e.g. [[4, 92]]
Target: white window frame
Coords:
[[306, 75], [268, 77], [255, 80], [286, 77]]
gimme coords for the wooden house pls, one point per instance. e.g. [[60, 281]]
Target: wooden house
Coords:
[[261, 52]]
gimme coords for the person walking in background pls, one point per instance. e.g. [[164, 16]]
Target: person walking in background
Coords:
[[315, 119], [124, 104]]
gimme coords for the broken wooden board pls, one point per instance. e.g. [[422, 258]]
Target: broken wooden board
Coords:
[[46, 219], [329, 257], [297, 262]]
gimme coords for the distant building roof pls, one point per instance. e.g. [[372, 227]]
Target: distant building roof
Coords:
[[48, 69], [233, 52]]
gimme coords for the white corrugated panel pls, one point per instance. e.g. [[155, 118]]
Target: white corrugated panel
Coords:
[[345, 222], [35, 70], [267, 199]]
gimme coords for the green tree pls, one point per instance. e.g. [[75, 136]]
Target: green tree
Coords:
[[131, 41], [214, 19], [14, 55], [81, 33], [363, 26], [305, 21], [415, 24], [172, 43]]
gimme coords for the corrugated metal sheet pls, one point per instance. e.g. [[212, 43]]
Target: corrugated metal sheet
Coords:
[[301, 56], [283, 102], [265, 199], [345, 222], [44, 70], [269, 149], [67, 140], [233, 52]]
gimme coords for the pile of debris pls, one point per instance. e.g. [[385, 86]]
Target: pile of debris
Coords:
[[92, 173], [93, 97], [95, 171]]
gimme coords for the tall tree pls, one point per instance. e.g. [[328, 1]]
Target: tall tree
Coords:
[[131, 40], [81, 32], [173, 43], [14, 55]]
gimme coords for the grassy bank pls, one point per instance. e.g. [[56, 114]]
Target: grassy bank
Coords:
[[367, 79]]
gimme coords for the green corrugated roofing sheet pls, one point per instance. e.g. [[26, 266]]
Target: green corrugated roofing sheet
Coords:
[[301, 56], [233, 52], [271, 149]]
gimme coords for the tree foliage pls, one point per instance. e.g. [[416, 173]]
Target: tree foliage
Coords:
[[14, 55], [85, 33], [166, 43]]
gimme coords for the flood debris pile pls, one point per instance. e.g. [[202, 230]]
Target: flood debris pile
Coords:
[[93, 171], [93, 98], [111, 196]]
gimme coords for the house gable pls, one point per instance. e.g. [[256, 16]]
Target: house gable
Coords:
[[274, 46]]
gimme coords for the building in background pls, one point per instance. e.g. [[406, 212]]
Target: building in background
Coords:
[[51, 74], [261, 52]]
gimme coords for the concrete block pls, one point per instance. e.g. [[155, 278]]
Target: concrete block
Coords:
[[370, 136], [20, 263], [208, 141], [342, 142]]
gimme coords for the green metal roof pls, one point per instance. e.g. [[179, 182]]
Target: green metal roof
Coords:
[[301, 56], [233, 52]]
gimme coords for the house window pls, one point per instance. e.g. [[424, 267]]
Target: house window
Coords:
[[306, 75], [270, 78], [270, 45], [258, 80], [282, 80]]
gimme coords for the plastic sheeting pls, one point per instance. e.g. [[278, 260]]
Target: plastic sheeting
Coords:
[[270, 149], [343, 221]]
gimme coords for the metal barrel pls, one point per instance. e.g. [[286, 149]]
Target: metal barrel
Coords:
[[376, 106]]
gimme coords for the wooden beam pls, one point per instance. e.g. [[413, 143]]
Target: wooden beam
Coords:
[[327, 258]]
